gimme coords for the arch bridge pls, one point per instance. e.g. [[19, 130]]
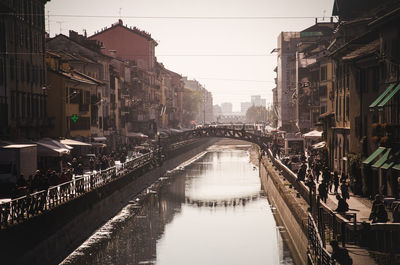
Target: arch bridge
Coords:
[[260, 140]]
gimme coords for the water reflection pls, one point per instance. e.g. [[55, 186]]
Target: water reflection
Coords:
[[210, 213]]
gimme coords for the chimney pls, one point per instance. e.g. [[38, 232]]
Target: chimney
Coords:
[[112, 53], [316, 20], [120, 21], [331, 19]]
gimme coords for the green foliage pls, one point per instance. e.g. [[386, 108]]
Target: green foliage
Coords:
[[256, 114], [354, 169], [191, 105]]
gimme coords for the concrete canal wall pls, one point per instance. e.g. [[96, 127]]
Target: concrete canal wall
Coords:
[[50, 237], [290, 210]]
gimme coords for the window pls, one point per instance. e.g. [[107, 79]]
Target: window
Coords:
[[13, 105], [23, 105], [28, 105], [83, 123], [66, 95], [12, 68], [323, 109], [2, 77], [74, 96], [322, 91], [348, 107], [323, 73], [17, 103], [22, 70]]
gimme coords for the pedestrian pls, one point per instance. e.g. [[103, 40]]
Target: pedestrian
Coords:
[[316, 169], [340, 255], [301, 173], [396, 214], [374, 209], [323, 191], [344, 188], [336, 181], [381, 215], [342, 205]]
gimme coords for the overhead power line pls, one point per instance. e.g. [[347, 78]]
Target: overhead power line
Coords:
[[166, 55], [239, 80], [169, 17]]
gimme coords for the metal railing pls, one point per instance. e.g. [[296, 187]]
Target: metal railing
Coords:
[[381, 239], [22, 208], [317, 253]]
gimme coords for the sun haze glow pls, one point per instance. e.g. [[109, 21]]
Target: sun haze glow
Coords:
[[223, 44]]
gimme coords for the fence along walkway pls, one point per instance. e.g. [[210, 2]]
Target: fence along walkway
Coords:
[[20, 209], [381, 239]]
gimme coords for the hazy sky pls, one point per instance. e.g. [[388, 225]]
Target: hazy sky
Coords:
[[230, 57]]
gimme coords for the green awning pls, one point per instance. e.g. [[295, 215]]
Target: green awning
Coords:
[[383, 159], [391, 161], [397, 167], [387, 91], [374, 155], [389, 97]]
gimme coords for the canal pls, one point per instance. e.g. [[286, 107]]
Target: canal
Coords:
[[210, 211]]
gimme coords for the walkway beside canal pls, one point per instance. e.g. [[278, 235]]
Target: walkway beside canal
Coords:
[[359, 255]]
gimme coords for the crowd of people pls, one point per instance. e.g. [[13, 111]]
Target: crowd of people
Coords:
[[317, 176], [43, 179]]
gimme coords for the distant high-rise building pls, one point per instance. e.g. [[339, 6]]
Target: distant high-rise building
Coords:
[[257, 101], [206, 108], [244, 106], [286, 80], [226, 108]]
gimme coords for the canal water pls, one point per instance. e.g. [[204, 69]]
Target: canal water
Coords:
[[209, 212]]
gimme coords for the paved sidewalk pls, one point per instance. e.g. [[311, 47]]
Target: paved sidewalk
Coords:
[[360, 206]]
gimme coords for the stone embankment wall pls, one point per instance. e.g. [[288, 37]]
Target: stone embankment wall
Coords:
[[50, 237], [290, 209]]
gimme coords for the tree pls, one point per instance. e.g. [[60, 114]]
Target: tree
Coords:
[[256, 114], [191, 105]]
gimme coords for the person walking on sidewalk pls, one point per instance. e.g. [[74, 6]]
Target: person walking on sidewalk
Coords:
[[336, 181], [340, 255], [342, 204], [323, 191], [344, 188]]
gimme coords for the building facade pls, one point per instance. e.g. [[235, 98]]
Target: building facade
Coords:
[[23, 96]]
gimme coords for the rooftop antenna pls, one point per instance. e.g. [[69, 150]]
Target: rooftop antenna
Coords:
[[48, 21], [120, 12], [60, 23], [323, 17]]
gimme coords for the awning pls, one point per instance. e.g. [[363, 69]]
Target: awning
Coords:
[[313, 135], [100, 139], [392, 159], [383, 159], [136, 135], [326, 115], [384, 98], [74, 142], [51, 148], [94, 144], [389, 97], [397, 167], [319, 145], [373, 155]]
